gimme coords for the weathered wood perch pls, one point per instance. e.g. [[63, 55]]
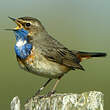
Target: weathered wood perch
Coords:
[[92, 100]]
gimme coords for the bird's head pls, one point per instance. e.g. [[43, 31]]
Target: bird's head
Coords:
[[30, 24]]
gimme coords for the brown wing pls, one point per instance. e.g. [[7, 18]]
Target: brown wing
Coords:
[[56, 52]]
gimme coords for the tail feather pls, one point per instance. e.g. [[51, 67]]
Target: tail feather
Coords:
[[92, 54], [86, 55]]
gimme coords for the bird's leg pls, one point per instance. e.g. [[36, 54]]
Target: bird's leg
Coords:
[[38, 92], [54, 87], [44, 85]]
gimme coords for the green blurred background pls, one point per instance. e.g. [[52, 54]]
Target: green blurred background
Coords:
[[78, 24]]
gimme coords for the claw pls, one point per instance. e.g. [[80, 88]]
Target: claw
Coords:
[[28, 100], [50, 93]]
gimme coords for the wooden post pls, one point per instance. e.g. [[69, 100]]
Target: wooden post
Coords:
[[15, 103], [92, 100]]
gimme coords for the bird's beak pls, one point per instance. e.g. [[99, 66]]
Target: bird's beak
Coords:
[[18, 22], [13, 19]]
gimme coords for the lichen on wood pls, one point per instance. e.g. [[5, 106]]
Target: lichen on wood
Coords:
[[92, 100]]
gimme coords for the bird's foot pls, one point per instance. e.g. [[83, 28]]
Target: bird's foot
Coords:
[[37, 93], [41, 96], [28, 100], [47, 95], [50, 93]]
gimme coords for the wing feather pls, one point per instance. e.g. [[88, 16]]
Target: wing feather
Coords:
[[56, 52]]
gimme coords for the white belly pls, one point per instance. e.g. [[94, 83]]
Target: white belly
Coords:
[[46, 68], [43, 67]]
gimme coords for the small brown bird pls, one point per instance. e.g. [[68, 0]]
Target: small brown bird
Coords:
[[39, 53]]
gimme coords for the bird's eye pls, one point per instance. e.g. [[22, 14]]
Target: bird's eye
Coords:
[[28, 24]]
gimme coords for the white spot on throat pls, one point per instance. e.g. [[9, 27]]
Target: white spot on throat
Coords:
[[20, 43]]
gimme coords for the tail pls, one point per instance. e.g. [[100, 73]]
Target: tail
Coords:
[[86, 55]]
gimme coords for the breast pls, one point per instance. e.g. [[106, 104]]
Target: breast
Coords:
[[23, 49], [39, 65], [28, 62]]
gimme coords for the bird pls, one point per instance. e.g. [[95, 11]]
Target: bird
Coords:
[[39, 53]]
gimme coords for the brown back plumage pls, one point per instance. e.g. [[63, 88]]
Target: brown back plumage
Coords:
[[55, 51]]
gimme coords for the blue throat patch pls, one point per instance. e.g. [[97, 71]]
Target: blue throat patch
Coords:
[[24, 50]]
